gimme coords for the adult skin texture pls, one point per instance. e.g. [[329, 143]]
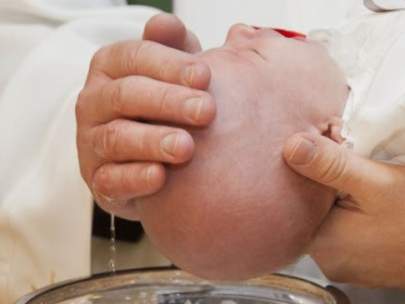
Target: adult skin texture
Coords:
[[362, 240], [236, 210], [129, 82]]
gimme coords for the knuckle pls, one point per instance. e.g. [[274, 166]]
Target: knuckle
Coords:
[[102, 181], [335, 169], [110, 140], [134, 57], [81, 104], [97, 58], [165, 70], [117, 95], [165, 92], [144, 145]]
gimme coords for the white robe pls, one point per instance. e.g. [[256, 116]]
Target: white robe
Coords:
[[45, 207]]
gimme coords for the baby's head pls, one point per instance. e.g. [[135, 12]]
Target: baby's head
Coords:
[[236, 210]]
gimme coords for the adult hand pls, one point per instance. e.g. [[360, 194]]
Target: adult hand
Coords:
[[128, 84], [362, 241]]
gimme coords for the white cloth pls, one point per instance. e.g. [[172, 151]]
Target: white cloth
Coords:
[[293, 14], [370, 52], [384, 5], [45, 207]]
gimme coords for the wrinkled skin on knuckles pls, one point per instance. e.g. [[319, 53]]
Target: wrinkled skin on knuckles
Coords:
[[236, 210]]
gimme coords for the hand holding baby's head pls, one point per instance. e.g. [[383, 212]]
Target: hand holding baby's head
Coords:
[[236, 210]]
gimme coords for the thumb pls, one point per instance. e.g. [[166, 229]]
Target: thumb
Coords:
[[330, 164], [170, 31]]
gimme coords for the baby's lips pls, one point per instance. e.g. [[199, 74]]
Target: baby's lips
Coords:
[[288, 33]]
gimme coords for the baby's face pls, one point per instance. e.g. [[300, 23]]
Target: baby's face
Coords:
[[236, 210]]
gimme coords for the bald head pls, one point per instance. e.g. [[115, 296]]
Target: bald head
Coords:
[[236, 210]]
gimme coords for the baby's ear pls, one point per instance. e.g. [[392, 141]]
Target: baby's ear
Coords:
[[333, 129]]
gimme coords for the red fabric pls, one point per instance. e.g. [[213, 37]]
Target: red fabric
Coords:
[[287, 33], [290, 34]]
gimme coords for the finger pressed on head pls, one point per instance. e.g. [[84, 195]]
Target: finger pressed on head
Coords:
[[121, 182], [138, 97], [124, 140], [151, 59]]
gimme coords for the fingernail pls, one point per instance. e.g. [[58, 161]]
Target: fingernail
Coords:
[[170, 142], [303, 151], [191, 72], [149, 174], [193, 108], [188, 75]]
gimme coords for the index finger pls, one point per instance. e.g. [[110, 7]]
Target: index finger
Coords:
[[151, 59]]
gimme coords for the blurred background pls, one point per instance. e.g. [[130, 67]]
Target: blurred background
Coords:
[[210, 19], [166, 5]]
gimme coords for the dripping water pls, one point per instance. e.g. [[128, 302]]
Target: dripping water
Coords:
[[113, 245]]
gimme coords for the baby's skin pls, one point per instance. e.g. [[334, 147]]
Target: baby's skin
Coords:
[[236, 210]]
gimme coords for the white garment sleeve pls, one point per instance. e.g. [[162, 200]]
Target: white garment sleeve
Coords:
[[370, 52], [45, 207], [62, 11]]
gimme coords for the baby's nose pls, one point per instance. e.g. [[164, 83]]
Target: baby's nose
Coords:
[[240, 32]]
